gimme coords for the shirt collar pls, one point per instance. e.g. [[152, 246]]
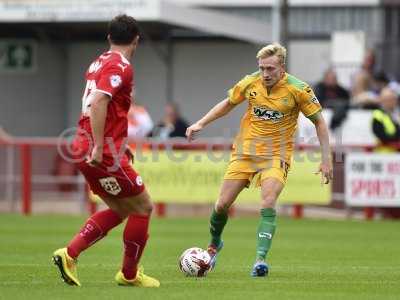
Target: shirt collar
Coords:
[[124, 60]]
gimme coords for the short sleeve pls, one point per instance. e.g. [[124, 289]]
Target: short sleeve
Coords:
[[308, 102], [237, 93], [111, 80]]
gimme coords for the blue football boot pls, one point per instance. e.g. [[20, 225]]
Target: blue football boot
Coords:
[[260, 269]]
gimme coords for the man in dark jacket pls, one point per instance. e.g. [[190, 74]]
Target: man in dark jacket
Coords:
[[329, 92], [172, 125]]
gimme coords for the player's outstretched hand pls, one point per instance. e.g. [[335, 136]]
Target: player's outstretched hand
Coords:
[[96, 157], [192, 131], [325, 169]]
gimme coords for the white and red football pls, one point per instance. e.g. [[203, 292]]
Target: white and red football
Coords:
[[194, 262]]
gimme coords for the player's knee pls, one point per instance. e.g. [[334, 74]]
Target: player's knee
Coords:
[[148, 208], [224, 203], [221, 207], [268, 200], [122, 213], [145, 208]]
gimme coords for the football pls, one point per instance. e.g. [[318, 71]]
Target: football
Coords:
[[194, 262]]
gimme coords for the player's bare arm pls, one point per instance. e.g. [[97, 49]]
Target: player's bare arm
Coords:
[[325, 168], [218, 111], [98, 114]]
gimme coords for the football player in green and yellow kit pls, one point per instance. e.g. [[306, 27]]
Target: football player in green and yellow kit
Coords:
[[263, 148]]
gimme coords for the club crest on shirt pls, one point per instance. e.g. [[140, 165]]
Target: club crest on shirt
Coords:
[[110, 185], [115, 80], [267, 114]]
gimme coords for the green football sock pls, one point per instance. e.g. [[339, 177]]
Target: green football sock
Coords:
[[217, 224], [265, 232]]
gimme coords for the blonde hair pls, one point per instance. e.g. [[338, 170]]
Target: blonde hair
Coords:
[[271, 50]]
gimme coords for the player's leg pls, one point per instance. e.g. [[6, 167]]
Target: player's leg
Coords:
[[138, 210], [95, 228], [130, 200], [270, 189], [99, 224], [238, 175], [230, 189]]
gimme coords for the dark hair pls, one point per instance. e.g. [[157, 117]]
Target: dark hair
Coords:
[[381, 77], [123, 30]]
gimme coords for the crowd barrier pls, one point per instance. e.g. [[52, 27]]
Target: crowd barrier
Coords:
[[181, 172]]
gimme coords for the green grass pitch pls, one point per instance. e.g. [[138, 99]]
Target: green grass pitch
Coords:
[[310, 259]]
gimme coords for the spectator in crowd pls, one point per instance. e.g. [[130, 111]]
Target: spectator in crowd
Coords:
[[369, 98], [4, 136], [362, 80], [140, 123], [329, 92], [364, 75], [369, 62], [362, 83], [172, 125], [385, 121]]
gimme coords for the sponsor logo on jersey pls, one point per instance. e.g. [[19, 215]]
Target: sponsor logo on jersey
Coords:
[[110, 185], [267, 114], [252, 95], [115, 80]]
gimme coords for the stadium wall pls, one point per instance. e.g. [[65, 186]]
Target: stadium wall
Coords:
[[202, 73], [308, 60], [34, 103]]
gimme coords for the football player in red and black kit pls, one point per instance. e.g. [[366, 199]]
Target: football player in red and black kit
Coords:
[[100, 149]]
